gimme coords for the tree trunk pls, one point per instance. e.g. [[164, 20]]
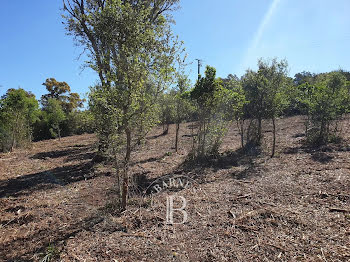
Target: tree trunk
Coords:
[[307, 126], [259, 130], [14, 132], [249, 135], [177, 137], [167, 129], [192, 134], [274, 137], [13, 142], [59, 133], [30, 132], [204, 138], [125, 186], [240, 125], [322, 132]]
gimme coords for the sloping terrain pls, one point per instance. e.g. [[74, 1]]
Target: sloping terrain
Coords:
[[294, 207]]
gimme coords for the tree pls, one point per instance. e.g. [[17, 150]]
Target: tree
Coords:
[[57, 90], [208, 96], [253, 89], [74, 102], [167, 110], [304, 77], [231, 82], [183, 106], [276, 74], [55, 116], [234, 104], [69, 102], [80, 122], [346, 74], [266, 92], [324, 102], [94, 23], [61, 91], [19, 110], [132, 49], [291, 93]]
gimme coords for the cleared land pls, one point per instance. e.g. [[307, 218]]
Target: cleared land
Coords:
[[294, 207]]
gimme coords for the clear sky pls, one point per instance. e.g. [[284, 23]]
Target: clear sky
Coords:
[[313, 35]]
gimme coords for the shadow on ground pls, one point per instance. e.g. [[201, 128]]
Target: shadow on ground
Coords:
[[321, 154], [59, 176], [226, 160], [193, 169], [77, 152], [152, 159], [50, 237]]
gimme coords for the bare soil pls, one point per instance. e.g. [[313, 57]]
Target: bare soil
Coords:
[[56, 202]]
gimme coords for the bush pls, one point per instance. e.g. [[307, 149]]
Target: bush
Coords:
[[18, 112], [209, 97], [325, 103]]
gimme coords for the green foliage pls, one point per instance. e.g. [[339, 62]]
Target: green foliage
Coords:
[[61, 91], [234, 102], [132, 49], [51, 253], [303, 78], [209, 96], [65, 102], [54, 116], [291, 93], [175, 106], [80, 122], [233, 105], [19, 110], [324, 102], [231, 82], [266, 91], [104, 107], [167, 106], [183, 104], [57, 90]]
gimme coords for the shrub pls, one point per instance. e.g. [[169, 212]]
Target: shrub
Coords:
[[325, 103]]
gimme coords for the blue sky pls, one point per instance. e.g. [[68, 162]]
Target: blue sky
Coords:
[[313, 35]]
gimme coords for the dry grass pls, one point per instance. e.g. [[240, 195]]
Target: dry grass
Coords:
[[294, 207]]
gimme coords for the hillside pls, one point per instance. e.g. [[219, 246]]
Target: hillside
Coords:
[[294, 207]]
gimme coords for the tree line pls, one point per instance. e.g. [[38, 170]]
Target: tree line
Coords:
[[213, 102], [24, 119]]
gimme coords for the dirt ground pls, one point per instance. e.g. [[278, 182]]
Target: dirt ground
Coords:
[[55, 202]]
